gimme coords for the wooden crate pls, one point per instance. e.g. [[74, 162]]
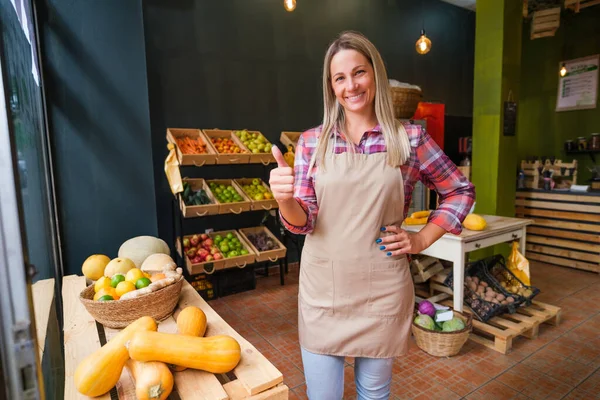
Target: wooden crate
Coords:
[[266, 204], [466, 171], [424, 267], [566, 228], [228, 158], [202, 210], [545, 23], [254, 378], [262, 158], [235, 207], [498, 332], [290, 139], [192, 268], [563, 174], [532, 171], [270, 255], [242, 260], [192, 159], [577, 5]]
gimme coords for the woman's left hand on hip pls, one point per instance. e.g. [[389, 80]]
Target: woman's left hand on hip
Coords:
[[400, 241]]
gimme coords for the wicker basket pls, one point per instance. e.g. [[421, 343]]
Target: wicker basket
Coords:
[[405, 101], [443, 344], [118, 314]]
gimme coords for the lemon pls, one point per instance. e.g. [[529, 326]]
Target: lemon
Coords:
[[107, 291], [134, 274], [124, 287], [103, 282]]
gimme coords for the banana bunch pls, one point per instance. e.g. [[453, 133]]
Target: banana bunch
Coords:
[[418, 218]]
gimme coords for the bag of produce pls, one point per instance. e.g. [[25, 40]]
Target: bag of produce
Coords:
[[519, 265], [172, 170]]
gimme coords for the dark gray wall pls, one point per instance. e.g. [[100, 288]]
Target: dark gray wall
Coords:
[[99, 121], [237, 64]]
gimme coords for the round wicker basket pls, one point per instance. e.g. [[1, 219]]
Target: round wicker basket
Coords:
[[118, 314], [405, 101], [443, 344]]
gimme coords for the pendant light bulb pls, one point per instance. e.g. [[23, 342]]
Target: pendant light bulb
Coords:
[[563, 70], [289, 5], [423, 45]]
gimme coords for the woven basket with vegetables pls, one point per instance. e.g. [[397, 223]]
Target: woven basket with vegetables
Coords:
[[441, 339]]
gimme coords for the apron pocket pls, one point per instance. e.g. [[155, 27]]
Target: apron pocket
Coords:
[[390, 287], [316, 283]]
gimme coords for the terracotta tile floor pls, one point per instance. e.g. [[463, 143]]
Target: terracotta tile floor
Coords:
[[562, 363]]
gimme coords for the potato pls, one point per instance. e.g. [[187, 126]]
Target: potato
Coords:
[[504, 302], [472, 286], [480, 292], [476, 279], [500, 296], [488, 299], [527, 293], [495, 301], [510, 299], [484, 283]]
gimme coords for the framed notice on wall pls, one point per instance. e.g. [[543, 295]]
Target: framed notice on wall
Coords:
[[578, 89]]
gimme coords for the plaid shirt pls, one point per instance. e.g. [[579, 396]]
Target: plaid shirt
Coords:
[[427, 163]]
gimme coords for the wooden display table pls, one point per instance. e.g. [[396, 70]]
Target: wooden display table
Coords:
[[254, 378], [565, 229], [453, 248]]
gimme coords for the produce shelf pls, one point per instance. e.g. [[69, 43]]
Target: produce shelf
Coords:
[[253, 378], [192, 159]]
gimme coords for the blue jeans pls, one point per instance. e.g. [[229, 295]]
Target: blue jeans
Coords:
[[325, 377]]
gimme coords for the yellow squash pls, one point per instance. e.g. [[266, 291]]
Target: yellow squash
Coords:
[[216, 354], [100, 371], [474, 222], [190, 321], [153, 380]]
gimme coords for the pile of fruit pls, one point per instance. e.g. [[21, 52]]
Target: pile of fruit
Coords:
[[193, 197], [256, 142], [262, 241], [152, 357], [189, 145], [257, 191], [226, 146], [120, 279], [225, 194], [510, 284], [230, 245], [201, 248]]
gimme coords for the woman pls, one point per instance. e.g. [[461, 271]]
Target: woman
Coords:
[[357, 172]]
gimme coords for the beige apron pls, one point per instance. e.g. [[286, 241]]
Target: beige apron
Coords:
[[354, 300]]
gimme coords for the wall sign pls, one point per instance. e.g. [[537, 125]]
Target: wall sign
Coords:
[[578, 89]]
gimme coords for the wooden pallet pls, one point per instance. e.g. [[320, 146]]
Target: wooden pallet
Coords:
[[545, 23], [254, 378], [424, 267], [577, 5], [499, 332]]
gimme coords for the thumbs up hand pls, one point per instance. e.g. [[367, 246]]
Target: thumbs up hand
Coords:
[[282, 178]]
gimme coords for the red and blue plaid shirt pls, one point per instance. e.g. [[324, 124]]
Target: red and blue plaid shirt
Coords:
[[427, 163]]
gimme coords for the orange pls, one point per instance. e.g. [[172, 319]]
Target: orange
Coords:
[[107, 291], [157, 277], [103, 282]]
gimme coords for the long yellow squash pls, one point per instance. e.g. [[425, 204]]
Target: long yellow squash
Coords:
[[216, 354], [100, 371]]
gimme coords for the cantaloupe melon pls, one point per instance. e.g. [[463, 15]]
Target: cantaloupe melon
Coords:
[[137, 249]]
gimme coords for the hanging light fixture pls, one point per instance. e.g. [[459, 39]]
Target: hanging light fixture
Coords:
[[289, 5], [423, 45], [563, 70]]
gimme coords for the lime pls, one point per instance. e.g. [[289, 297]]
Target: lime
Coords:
[[106, 297], [142, 283], [243, 252], [229, 235], [116, 280]]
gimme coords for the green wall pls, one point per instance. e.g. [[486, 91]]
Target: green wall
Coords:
[[541, 130]]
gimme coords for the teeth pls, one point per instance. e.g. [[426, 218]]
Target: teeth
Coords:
[[355, 97]]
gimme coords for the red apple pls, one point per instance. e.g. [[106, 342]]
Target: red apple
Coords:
[[209, 258], [195, 240], [208, 241], [186, 242], [214, 251], [218, 256], [202, 252], [203, 236], [196, 260], [191, 252]]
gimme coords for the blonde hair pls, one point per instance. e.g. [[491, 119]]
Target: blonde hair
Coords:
[[394, 133]]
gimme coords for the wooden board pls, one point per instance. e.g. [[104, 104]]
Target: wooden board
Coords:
[[577, 5], [43, 301], [424, 267], [564, 234], [255, 378]]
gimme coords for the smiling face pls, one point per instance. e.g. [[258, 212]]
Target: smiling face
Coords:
[[353, 81]]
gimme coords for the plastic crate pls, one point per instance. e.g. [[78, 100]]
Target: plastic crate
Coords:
[[496, 265], [235, 280]]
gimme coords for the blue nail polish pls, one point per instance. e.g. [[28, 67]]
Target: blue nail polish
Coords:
[[378, 241], [381, 247], [389, 253], [383, 229]]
